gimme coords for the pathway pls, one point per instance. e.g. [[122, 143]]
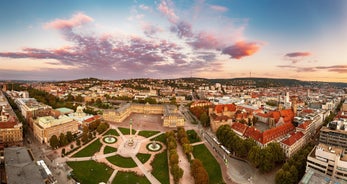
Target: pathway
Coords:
[[112, 176], [185, 165], [148, 174]]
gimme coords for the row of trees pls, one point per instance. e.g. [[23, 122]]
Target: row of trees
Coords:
[[202, 114], [198, 170], [176, 171], [90, 131], [263, 158], [294, 169], [184, 141], [63, 140]]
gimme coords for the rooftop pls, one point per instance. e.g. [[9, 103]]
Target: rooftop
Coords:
[[20, 167]]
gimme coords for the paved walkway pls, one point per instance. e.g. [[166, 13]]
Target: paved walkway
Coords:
[[185, 165], [139, 147]]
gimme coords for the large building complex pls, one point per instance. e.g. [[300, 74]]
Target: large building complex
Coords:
[[47, 126], [31, 108], [329, 160], [335, 133], [11, 130], [171, 116]]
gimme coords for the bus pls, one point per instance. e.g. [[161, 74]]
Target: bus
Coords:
[[225, 149], [215, 140]]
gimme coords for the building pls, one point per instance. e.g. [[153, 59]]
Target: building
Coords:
[[11, 130], [171, 116], [31, 108], [47, 126], [313, 176], [21, 168], [293, 143], [329, 160], [335, 133], [221, 114]]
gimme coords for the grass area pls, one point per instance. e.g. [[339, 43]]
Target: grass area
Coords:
[[161, 168], [126, 131], [109, 149], [122, 161], [161, 138], [112, 132], [210, 163], [193, 136], [89, 150], [147, 133], [90, 172], [129, 178], [143, 157]]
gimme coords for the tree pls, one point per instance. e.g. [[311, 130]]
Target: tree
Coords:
[[199, 172], [102, 127], [254, 155], [54, 142], [69, 136], [204, 119], [63, 152], [276, 151], [71, 146], [78, 142], [176, 172], [62, 140], [173, 158]]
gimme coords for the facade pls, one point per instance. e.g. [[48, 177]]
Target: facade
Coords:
[[31, 108], [329, 160], [335, 133], [171, 116], [293, 143], [221, 114], [313, 176], [11, 130], [47, 126]]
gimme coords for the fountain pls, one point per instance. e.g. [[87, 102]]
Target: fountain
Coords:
[[110, 139], [154, 146]]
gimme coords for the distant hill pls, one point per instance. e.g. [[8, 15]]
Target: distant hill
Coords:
[[265, 82]]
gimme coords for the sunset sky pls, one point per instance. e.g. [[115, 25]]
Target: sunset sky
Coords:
[[108, 39]]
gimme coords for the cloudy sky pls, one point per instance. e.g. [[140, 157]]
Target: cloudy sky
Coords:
[[107, 39]]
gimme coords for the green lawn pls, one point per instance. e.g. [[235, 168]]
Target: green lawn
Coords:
[[210, 163], [90, 172], [161, 138], [129, 178], [122, 161], [126, 131], [112, 132], [193, 136], [161, 168], [147, 133], [89, 150], [109, 149], [143, 157]]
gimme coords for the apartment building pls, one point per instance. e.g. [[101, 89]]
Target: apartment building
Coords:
[[335, 133]]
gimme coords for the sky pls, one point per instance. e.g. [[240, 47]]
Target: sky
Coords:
[[163, 39]]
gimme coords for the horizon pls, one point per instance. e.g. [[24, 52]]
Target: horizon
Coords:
[[170, 39]]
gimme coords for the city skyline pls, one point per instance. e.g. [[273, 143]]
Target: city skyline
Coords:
[[43, 40]]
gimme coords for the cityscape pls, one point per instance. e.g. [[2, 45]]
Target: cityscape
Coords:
[[172, 91]]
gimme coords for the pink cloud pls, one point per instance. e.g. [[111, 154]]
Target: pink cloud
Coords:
[[76, 20], [296, 57], [206, 40], [164, 8], [241, 49], [218, 8], [298, 54]]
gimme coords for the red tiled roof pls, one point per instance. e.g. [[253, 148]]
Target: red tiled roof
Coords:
[[293, 138], [7, 124], [254, 134], [304, 125], [220, 108], [91, 119], [239, 127]]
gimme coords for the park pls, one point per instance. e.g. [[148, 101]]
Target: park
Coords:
[[135, 151]]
